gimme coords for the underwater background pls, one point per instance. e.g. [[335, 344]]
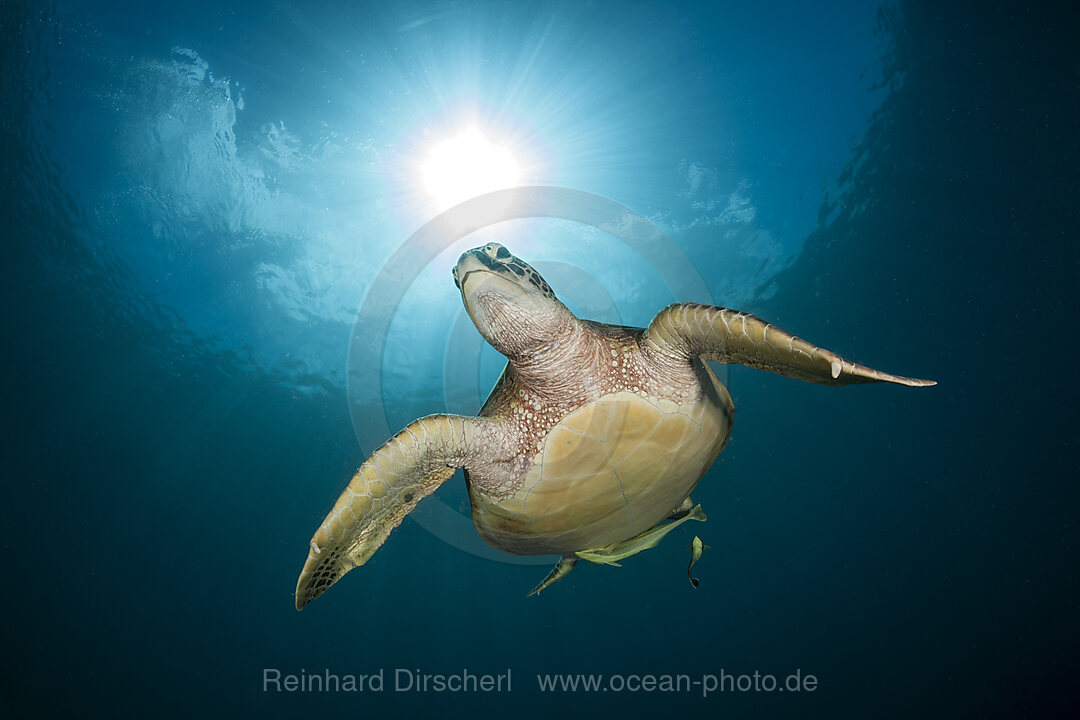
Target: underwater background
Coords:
[[195, 200]]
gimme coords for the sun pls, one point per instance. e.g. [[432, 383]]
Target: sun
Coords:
[[467, 165]]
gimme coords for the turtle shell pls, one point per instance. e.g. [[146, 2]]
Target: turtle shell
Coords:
[[609, 470]]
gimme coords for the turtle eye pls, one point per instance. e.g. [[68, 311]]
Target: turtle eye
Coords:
[[495, 251]]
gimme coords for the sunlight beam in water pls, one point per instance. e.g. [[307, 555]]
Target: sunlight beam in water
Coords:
[[467, 165]]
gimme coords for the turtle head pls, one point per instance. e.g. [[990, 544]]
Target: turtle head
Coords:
[[511, 305]]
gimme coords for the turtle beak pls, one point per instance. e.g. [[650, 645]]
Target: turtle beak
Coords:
[[470, 262], [462, 270]]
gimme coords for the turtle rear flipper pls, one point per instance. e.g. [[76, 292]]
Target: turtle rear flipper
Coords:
[[610, 554], [561, 570], [684, 509]]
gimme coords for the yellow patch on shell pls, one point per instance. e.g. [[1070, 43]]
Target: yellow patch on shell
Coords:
[[608, 471]]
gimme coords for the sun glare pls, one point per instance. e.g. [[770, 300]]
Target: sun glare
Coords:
[[467, 165]]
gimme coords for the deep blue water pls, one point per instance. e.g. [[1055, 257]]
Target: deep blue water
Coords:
[[196, 199]]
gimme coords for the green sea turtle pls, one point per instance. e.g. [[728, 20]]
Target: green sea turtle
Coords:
[[592, 438]]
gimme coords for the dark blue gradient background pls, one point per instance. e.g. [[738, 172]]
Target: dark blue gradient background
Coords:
[[175, 415]]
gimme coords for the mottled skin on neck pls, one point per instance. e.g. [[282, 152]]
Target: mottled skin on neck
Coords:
[[557, 363], [535, 392]]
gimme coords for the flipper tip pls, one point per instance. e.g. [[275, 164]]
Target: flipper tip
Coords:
[[912, 382], [561, 569], [543, 584]]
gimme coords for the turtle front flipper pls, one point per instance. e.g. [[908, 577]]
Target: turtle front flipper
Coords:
[[561, 570], [730, 336], [405, 469]]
